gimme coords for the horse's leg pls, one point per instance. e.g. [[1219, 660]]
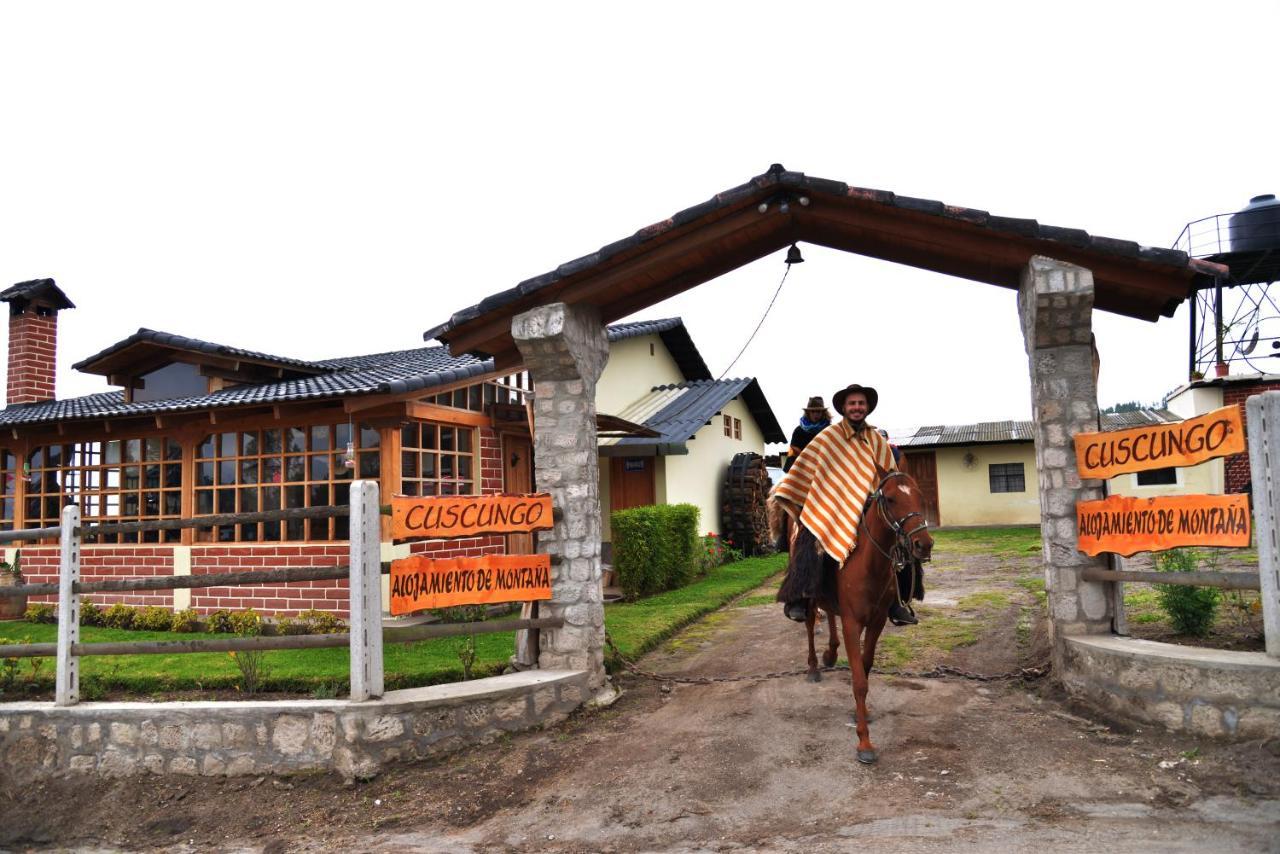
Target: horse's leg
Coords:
[[833, 642], [874, 628], [814, 674], [852, 631]]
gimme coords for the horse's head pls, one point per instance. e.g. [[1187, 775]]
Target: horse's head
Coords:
[[903, 506]]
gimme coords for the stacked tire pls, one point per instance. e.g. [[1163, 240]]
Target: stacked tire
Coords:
[[743, 518]]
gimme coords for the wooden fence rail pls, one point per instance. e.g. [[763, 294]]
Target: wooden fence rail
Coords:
[[404, 634], [1225, 580]]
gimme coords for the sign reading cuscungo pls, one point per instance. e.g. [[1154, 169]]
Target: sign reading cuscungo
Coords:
[[1127, 525], [1219, 433], [421, 582], [469, 515]]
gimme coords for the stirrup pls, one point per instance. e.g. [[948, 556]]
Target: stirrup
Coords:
[[901, 614]]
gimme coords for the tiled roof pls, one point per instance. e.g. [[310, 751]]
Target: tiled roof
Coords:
[[195, 345], [780, 178], [676, 412], [383, 373], [24, 292], [989, 432]]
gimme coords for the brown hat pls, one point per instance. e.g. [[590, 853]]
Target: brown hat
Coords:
[[873, 397], [815, 403]]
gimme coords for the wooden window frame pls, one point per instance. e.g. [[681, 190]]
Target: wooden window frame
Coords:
[[737, 429], [422, 442], [728, 426]]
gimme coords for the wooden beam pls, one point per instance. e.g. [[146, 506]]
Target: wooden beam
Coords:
[[432, 412]]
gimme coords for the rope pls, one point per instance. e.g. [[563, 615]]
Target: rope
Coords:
[[785, 273]]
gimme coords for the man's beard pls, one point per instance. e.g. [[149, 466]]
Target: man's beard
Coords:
[[859, 425]]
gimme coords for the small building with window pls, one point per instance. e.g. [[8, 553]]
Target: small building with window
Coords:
[[985, 474]]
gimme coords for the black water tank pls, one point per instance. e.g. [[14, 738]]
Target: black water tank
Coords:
[[1257, 227]]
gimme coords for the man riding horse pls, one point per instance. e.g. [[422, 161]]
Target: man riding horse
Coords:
[[827, 489]]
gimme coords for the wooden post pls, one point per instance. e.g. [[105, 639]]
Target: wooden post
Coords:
[[1119, 620], [366, 592], [1264, 463], [67, 676]]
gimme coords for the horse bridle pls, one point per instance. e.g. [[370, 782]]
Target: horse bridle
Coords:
[[902, 537]]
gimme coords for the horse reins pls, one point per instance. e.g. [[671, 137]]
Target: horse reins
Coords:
[[899, 553]]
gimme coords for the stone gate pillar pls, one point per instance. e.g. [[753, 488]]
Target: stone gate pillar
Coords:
[[1055, 302], [565, 349]]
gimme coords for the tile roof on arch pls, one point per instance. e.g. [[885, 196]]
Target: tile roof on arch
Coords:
[[992, 432]]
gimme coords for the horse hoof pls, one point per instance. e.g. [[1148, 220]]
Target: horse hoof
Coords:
[[815, 676], [867, 757]]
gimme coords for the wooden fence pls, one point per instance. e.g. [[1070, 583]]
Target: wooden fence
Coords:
[[363, 572]]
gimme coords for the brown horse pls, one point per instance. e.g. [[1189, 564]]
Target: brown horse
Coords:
[[892, 528]]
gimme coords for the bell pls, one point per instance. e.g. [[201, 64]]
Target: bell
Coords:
[[794, 256]]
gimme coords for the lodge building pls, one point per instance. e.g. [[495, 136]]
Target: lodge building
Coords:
[[199, 428]]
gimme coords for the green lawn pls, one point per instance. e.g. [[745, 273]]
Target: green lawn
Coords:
[[635, 626], [1011, 541]]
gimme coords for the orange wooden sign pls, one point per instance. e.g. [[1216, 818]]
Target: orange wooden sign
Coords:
[[421, 582], [1185, 443], [1127, 525], [469, 515]]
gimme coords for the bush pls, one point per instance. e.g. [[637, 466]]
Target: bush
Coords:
[[185, 621], [41, 614], [220, 622], [246, 623], [90, 614], [655, 548], [119, 616], [315, 622], [153, 619], [1191, 609]]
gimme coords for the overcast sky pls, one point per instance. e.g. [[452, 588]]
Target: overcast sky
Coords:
[[315, 179]]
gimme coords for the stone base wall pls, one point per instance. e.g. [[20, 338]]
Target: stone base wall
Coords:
[[356, 740], [1212, 692]]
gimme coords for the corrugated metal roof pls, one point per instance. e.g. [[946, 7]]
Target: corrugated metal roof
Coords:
[[990, 432]]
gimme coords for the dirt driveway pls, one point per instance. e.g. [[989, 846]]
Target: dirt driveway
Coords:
[[754, 766]]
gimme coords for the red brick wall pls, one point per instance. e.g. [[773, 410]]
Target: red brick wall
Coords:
[[1236, 468], [40, 564], [33, 344]]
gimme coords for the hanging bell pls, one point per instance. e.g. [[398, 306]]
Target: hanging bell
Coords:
[[794, 256]]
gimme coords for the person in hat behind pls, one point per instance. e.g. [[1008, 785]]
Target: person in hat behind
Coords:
[[815, 419], [826, 489]]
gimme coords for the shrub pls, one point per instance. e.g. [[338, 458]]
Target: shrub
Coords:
[[41, 613], [315, 622], [220, 622], [153, 619], [246, 623], [185, 621], [119, 616], [655, 548], [287, 626], [90, 614], [1191, 609]]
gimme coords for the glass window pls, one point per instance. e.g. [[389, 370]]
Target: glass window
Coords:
[[728, 426], [293, 467], [1007, 477], [737, 428], [439, 461], [1158, 477]]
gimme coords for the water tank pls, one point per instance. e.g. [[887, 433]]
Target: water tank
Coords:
[[1257, 227]]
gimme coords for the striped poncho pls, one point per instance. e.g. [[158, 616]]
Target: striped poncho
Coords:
[[830, 481]]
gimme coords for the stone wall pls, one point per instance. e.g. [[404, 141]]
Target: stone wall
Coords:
[[1212, 692], [355, 740]]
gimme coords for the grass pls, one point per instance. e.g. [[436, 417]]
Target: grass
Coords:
[[752, 601], [1033, 584], [921, 645], [1012, 541], [636, 627]]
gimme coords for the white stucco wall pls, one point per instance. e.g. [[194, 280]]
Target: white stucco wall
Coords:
[[698, 477], [632, 372]]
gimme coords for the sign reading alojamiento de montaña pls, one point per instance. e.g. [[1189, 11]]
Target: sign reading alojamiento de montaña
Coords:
[[1127, 525], [421, 582]]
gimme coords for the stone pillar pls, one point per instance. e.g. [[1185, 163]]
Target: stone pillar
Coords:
[[1055, 302], [565, 350]]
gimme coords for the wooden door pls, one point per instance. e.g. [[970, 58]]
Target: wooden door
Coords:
[[631, 482], [517, 477], [924, 468]]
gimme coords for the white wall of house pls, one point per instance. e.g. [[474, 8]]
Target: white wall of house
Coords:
[[964, 485], [698, 477], [635, 366]]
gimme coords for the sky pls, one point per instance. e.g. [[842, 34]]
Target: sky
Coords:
[[323, 179]]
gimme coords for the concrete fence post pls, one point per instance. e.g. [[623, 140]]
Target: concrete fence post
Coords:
[[365, 583], [67, 675], [1263, 411]]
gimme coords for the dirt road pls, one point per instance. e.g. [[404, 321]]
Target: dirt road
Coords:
[[754, 766]]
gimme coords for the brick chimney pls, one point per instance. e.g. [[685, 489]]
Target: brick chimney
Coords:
[[33, 339]]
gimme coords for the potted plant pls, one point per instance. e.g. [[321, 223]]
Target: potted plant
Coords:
[[12, 607]]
